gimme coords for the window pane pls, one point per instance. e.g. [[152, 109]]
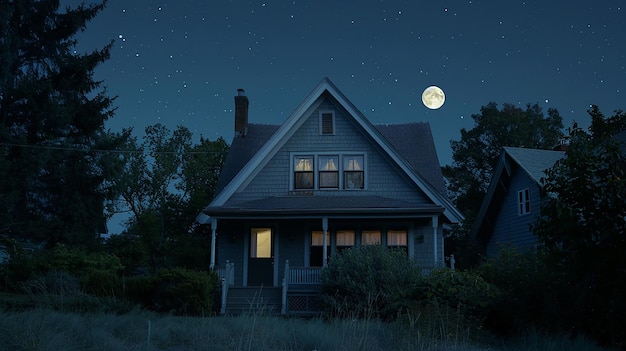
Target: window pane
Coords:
[[370, 237], [328, 163], [303, 164], [303, 180], [345, 238], [261, 243], [317, 238], [353, 163], [353, 180], [396, 238], [329, 180]]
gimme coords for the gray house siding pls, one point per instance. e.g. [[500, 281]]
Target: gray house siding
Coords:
[[294, 242], [511, 228], [382, 177]]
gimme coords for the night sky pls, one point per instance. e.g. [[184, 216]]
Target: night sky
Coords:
[[181, 62]]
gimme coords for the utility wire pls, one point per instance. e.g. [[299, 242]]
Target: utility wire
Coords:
[[62, 148]]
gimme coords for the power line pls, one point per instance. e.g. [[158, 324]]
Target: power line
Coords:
[[63, 148]]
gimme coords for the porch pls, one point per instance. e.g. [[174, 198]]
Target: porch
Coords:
[[299, 293]]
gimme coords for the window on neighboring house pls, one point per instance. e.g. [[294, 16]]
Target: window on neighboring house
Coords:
[[523, 197], [353, 176], [345, 240], [317, 248], [370, 237], [328, 171], [397, 239], [303, 172], [327, 122]]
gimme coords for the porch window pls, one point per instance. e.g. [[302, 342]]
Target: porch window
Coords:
[[345, 239], [397, 239], [260, 243], [303, 172], [328, 171], [370, 237], [317, 248], [353, 176]]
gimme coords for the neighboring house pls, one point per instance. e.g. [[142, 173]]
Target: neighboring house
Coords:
[[326, 169], [513, 199]]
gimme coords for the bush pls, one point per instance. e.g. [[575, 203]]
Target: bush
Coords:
[[463, 290], [368, 281], [527, 292], [176, 291]]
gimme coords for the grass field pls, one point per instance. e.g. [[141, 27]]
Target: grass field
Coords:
[[45, 329]]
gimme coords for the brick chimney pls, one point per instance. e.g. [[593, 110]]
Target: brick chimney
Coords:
[[241, 113]]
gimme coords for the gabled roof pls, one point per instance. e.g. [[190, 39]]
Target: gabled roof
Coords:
[[533, 162], [249, 154]]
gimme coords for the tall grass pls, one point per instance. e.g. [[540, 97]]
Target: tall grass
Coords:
[[44, 329]]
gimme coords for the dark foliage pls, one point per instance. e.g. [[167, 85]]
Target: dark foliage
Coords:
[[176, 291], [52, 112], [583, 227]]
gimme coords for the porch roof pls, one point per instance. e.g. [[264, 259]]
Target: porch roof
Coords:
[[314, 206]]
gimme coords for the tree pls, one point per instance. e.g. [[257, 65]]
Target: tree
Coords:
[[166, 184], [583, 226], [52, 113], [476, 155]]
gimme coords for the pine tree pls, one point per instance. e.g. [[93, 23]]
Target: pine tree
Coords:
[[52, 112]]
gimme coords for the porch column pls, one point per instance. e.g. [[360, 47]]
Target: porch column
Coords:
[[435, 231], [324, 243], [213, 233]]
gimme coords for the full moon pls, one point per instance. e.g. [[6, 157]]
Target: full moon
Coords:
[[433, 97]]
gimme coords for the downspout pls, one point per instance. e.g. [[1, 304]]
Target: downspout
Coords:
[[435, 231], [324, 241], [213, 234]]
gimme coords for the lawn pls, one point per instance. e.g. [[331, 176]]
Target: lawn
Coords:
[[46, 329]]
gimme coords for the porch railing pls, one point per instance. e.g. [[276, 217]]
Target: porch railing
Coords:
[[227, 275], [298, 276]]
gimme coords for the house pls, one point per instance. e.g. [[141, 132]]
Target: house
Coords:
[[513, 200], [290, 196]]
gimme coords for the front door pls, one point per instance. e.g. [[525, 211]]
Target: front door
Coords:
[[261, 260]]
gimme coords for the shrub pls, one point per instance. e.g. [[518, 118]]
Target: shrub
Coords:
[[527, 292], [464, 290], [368, 281], [176, 291]]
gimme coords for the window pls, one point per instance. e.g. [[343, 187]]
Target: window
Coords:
[[353, 177], [327, 122], [260, 243], [523, 200], [328, 171], [397, 239], [345, 239], [370, 237], [317, 248], [303, 172]]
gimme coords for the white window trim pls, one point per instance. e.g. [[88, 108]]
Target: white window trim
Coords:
[[293, 155], [321, 113], [523, 197]]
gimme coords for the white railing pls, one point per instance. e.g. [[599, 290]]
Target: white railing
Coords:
[[227, 275], [298, 276], [304, 275]]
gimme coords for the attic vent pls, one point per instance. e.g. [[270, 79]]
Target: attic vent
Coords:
[[327, 122]]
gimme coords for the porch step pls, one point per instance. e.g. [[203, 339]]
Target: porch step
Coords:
[[258, 299]]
